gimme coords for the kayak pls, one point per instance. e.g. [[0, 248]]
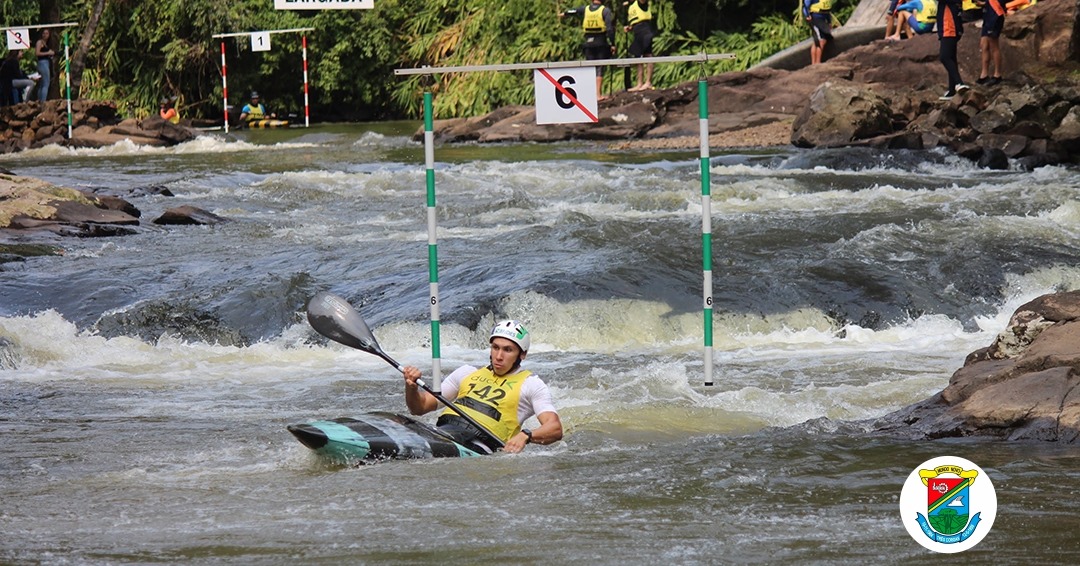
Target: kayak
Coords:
[[377, 436], [268, 123]]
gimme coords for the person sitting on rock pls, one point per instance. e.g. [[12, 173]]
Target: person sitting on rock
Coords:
[[168, 111], [921, 15], [14, 79], [895, 27]]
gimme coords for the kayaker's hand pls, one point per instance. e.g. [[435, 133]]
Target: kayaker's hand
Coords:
[[516, 443], [411, 374]]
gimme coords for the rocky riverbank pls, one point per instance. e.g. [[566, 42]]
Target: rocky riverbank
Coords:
[[884, 94], [93, 124], [1024, 386]]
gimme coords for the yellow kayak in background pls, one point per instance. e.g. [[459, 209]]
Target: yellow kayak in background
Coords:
[[268, 123]]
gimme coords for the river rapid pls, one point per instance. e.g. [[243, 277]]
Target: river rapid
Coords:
[[146, 381]]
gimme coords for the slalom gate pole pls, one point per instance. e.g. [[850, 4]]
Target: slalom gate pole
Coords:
[[67, 79], [224, 88], [307, 113], [433, 247], [706, 206], [706, 226]]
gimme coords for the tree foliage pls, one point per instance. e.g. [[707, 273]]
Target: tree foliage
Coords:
[[143, 51]]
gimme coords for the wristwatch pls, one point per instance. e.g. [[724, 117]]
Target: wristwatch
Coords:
[[528, 433]]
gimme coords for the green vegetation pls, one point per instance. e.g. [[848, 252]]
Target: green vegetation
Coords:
[[142, 51]]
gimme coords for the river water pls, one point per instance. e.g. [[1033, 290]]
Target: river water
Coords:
[[146, 381]]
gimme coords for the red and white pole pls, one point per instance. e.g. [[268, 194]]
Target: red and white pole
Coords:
[[307, 113], [224, 87]]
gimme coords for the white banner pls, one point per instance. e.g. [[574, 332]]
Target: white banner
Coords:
[[565, 96], [324, 4]]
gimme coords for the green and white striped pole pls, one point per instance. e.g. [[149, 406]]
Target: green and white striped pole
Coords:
[[433, 247], [706, 226], [67, 79]]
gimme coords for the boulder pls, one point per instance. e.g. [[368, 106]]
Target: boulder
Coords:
[[189, 215], [1024, 386], [839, 113]]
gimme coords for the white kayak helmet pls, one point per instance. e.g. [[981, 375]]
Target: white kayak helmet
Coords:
[[513, 331]]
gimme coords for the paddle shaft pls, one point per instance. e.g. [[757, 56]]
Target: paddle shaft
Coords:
[[446, 402]]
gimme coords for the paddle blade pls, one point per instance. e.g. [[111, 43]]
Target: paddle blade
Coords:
[[333, 317]]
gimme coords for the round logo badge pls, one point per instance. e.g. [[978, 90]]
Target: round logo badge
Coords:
[[948, 504]]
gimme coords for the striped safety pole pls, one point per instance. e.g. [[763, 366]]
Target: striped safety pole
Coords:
[[67, 79], [706, 226], [433, 249], [307, 113], [224, 87]]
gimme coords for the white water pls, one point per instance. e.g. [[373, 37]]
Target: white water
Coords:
[[131, 437]]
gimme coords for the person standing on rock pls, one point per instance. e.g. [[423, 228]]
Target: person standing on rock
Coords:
[[950, 29], [44, 63], [993, 12], [598, 24], [640, 23], [819, 14]]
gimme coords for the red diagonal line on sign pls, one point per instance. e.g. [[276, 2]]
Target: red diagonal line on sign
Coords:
[[567, 94], [20, 40]]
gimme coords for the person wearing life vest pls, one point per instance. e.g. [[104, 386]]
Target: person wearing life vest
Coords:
[[168, 111], [819, 14], [921, 15], [639, 21], [254, 111], [500, 397], [895, 26], [598, 24]]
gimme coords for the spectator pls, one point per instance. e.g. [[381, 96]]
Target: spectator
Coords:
[[45, 55], [990, 42], [640, 22], [598, 24], [950, 29], [920, 15], [13, 80], [818, 13]]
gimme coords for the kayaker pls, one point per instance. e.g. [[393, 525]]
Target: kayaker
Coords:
[[255, 110], [500, 396]]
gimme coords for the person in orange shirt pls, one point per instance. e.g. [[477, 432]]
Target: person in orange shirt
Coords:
[[950, 29], [990, 42], [168, 112]]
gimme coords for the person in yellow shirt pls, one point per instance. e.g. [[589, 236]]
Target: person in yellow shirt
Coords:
[[598, 24], [500, 397], [640, 23]]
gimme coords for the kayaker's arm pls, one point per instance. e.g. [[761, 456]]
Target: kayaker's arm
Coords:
[[420, 402], [550, 428]]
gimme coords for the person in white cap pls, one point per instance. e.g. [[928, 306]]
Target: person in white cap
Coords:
[[500, 397]]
